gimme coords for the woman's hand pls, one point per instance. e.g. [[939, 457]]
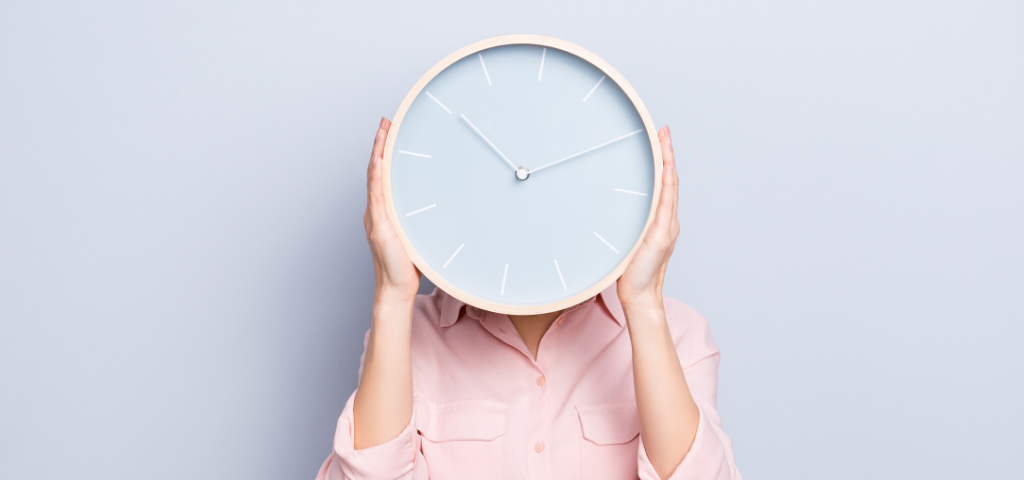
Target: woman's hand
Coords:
[[396, 275], [383, 404], [668, 414], [642, 281]]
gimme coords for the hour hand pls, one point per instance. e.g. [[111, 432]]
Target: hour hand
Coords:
[[478, 132]]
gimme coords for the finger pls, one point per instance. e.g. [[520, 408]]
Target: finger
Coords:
[[375, 193], [378, 146], [375, 178], [669, 190], [378, 141], [670, 158]]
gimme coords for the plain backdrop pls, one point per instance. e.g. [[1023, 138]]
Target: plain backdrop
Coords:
[[185, 284]]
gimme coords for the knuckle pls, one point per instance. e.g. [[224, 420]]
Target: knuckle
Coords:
[[375, 235], [659, 235]]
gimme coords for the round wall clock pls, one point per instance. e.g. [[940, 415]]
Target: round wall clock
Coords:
[[521, 173]]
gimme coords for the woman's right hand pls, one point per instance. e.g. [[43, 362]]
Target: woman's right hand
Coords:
[[383, 403], [397, 277]]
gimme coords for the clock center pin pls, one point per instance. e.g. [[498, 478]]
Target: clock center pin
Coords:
[[522, 173]]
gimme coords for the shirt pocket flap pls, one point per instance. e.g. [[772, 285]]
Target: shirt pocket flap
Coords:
[[610, 424], [480, 420]]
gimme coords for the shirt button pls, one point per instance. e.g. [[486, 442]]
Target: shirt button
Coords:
[[539, 447], [540, 381]]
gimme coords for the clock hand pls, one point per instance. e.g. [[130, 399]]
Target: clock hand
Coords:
[[489, 143], [609, 142]]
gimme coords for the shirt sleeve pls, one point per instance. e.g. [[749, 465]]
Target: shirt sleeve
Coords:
[[710, 456], [398, 458]]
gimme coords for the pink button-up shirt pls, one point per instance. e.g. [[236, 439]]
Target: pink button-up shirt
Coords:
[[483, 408]]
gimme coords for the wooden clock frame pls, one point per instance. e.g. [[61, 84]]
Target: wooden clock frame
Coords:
[[541, 41]]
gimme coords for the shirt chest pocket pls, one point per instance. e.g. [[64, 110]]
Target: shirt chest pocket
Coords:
[[462, 439], [611, 438]]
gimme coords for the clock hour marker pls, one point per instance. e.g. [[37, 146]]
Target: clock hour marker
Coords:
[[428, 208], [630, 192], [457, 250], [542, 53], [591, 90], [559, 270], [415, 154], [438, 101], [503, 279], [606, 242], [482, 64]]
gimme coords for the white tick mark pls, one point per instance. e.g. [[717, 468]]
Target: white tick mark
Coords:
[[420, 210], [438, 101], [503, 279], [559, 270], [542, 54], [631, 192], [606, 242], [457, 250], [485, 67], [595, 87], [415, 154]]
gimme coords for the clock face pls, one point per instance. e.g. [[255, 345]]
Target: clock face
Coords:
[[521, 176]]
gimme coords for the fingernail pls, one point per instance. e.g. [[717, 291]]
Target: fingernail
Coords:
[[375, 158], [382, 121]]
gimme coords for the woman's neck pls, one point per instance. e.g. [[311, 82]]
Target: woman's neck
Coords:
[[532, 328]]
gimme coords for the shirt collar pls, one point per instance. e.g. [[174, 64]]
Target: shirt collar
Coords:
[[610, 297], [451, 308]]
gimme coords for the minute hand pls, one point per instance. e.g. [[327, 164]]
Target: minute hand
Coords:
[[609, 142]]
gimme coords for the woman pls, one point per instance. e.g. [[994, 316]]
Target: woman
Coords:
[[621, 386]]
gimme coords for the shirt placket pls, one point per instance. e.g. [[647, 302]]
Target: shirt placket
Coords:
[[539, 414], [540, 465]]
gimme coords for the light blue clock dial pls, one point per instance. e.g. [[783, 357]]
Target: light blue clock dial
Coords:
[[533, 235]]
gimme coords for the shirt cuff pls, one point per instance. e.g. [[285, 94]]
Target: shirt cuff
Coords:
[[394, 458], [706, 459]]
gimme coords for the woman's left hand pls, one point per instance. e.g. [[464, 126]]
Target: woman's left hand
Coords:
[[641, 283], [668, 414]]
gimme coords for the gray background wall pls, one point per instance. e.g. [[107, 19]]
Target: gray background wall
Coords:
[[184, 281]]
